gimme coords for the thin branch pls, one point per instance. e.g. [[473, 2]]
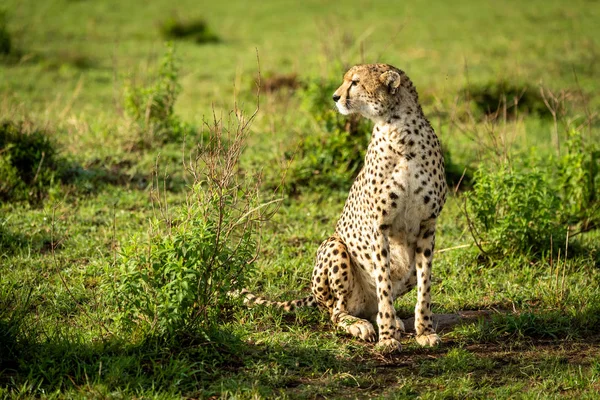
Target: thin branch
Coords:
[[473, 230], [39, 167], [462, 246], [459, 181]]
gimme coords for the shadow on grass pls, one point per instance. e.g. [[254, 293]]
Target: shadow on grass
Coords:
[[11, 242], [195, 367], [98, 175], [551, 324]]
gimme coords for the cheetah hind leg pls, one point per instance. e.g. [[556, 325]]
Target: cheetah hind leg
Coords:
[[356, 327], [332, 284]]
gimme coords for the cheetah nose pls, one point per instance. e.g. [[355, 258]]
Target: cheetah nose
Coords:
[[336, 97]]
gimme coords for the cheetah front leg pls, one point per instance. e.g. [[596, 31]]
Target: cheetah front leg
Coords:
[[426, 335], [389, 327]]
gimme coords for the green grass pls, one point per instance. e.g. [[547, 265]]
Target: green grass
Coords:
[[69, 67]]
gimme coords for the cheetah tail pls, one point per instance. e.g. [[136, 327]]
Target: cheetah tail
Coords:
[[251, 300]]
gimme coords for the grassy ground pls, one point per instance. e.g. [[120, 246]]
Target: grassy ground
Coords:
[[71, 63]]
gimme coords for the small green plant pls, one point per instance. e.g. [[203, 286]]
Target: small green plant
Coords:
[[579, 182], [331, 157], [514, 211], [151, 107], [196, 30], [178, 279]]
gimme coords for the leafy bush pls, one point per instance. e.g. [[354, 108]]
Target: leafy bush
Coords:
[[151, 108], [196, 30], [579, 182], [177, 280], [522, 210], [514, 211], [29, 163], [331, 157]]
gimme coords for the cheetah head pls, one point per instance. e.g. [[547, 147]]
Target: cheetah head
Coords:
[[370, 90]]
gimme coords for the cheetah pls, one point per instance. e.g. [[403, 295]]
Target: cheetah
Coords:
[[384, 240]]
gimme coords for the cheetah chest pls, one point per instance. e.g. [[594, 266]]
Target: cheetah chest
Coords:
[[395, 191]]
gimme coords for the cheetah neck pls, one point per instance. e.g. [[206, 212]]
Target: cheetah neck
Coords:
[[403, 121]]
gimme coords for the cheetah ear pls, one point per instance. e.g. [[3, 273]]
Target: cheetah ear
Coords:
[[391, 79]]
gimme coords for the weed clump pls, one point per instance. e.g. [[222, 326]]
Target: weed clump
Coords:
[[151, 107], [524, 211], [514, 211], [29, 163], [196, 30], [578, 181], [177, 280], [331, 157]]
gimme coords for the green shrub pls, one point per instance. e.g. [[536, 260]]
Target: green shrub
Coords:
[[29, 163], [579, 182], [151, 107], [331, 157], [514, 211], [196, 30], [177, 280]]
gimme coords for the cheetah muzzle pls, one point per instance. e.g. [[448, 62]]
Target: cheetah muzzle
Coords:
[[384, 240]]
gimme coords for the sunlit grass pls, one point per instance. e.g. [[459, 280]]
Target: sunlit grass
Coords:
[[58, 338]]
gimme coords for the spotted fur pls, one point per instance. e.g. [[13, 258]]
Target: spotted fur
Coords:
[[251, 300], [384, 240]]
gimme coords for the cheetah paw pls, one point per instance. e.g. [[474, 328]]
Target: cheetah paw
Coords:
[[429, 340], [388, 346], [363, 330]]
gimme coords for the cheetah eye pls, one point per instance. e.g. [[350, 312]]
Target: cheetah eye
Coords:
[[354, 83]]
